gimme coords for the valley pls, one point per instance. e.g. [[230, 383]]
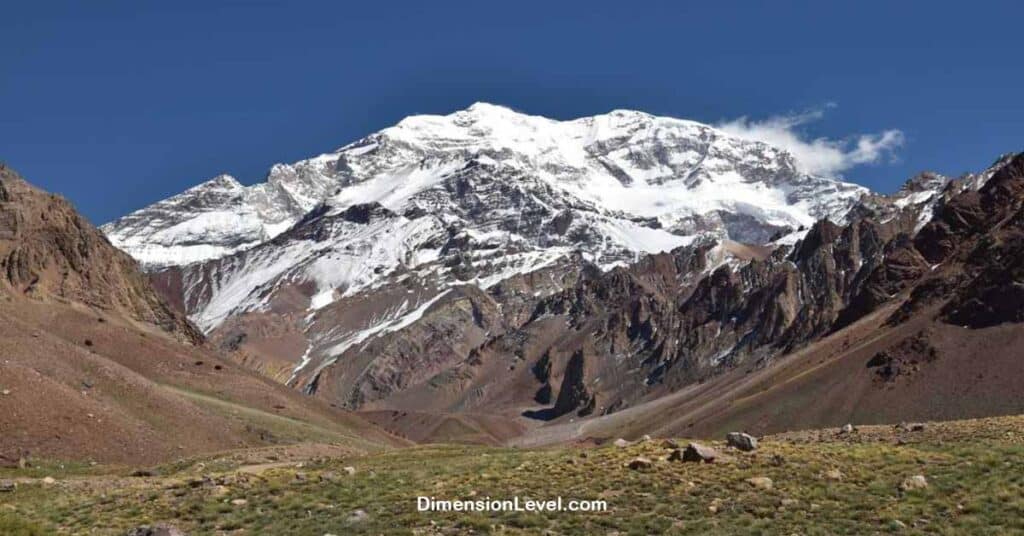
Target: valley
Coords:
[[458, 307], [951, 477]]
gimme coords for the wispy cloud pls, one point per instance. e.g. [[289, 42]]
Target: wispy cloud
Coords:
[[820, 156]]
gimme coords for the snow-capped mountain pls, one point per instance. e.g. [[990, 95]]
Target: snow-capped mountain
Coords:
[[671, 176], [388, 225]]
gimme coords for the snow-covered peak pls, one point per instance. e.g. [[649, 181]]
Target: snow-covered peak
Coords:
[[489, 167], [221, 183]]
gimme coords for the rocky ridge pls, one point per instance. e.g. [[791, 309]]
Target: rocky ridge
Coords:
[[49, 252]]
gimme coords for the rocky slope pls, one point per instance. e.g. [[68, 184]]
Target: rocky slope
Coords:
[[925, 328], [95, 365], [49, 252]]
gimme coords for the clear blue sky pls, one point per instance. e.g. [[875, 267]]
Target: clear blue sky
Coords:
[[118, 104]]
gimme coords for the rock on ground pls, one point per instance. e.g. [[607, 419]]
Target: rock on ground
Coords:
[[742, 441], [695, 452], [639, 463], [914, 482], [358, 516], [155, 530]]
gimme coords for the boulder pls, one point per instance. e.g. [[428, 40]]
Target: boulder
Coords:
[[742, 441], [358, 516], [621, 443], [349, 470], [760, 482], [847, 429], [695, 452], [640, 463], [7, 486], [913, 483], [910, 426], [833, 474]]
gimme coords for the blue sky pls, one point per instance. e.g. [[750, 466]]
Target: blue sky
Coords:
[[118, 104]]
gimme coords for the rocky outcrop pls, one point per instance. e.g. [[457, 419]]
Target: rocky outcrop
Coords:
[[49, 252], [573, 395], [967, 259], [429, 349]]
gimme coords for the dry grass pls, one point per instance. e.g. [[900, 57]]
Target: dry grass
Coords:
[[972, 468]]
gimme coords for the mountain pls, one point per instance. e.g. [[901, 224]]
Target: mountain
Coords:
[[926, 328], [603, 169], [352, 244], [96, 365], [488, 275]]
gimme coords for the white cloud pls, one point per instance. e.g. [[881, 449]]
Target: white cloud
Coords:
[[820, 156]]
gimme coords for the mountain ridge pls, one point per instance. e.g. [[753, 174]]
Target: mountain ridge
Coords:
[[484, 131], [540, 271]]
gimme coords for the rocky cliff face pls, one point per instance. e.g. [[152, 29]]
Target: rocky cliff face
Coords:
[[49, 252]]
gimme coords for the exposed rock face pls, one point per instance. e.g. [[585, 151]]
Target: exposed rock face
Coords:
[[573, 395], [425, 351], [968, 257], [49, 252], [676, 318]]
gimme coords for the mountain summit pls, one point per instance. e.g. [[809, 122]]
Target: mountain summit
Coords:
[[634, 181], [332, 252]]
